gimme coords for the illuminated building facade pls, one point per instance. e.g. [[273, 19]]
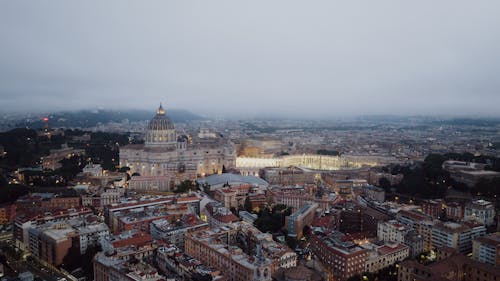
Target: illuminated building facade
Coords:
[[176, 157]]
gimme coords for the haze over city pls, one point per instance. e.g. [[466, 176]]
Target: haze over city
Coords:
[[258, 58], [249, 140]]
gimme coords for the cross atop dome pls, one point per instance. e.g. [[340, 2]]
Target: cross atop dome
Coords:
[[160, 110]]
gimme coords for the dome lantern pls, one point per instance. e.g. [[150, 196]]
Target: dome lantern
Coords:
[[160, 110]]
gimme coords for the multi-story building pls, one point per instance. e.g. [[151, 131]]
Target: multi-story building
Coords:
[[304, 216], [7, 213], [412, 218], [47, 202], [341, 257], [23, 223], [170, 259], [425, 230], [247, 216], [454, 210], [357, 219], [140, 220], [94, 170], [115, 210], [415, 242], [344, 188], [132, 239], [165, 153], [62, 202], [294, 199], [227, 197], [455, 235], [114, 269], [480, 210], [375, 176], [383, 256], [433, 207], [487, 249], [123, 259], [356, 184], [233, 196], [421, 223], [99, 200], [359, 173], [392, 231], [218, 215], [174, 231], [90, 234], [258, 200], [452, 266], [150, 183], [240, 251], [51, 241], [51, 244], [191, 202], [374, 193]]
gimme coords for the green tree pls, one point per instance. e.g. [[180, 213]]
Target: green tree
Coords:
[[185, 186], [384, 183]]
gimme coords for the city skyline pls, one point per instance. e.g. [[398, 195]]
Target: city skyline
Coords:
[[281, 59], [249, 141]]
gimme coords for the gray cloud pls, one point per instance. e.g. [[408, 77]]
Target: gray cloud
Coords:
[[309, 58]]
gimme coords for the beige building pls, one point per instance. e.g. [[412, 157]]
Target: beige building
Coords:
[[167, 154], [421, 223], [254, 260], [392, 231], [386, 255], [150, 183], [458, 236], [487, 249]]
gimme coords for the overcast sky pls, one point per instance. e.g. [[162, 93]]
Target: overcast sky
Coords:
[[252, 58]]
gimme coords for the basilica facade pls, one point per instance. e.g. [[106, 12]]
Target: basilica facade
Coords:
[[173, 157]]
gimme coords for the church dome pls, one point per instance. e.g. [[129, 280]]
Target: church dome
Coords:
[[161, 130], [161, 121]]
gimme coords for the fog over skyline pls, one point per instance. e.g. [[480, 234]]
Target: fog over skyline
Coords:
[[252, 58]]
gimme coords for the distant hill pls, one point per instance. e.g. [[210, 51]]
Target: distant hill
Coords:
[[90, 118]]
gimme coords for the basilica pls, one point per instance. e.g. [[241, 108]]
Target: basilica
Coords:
[[171, 158]]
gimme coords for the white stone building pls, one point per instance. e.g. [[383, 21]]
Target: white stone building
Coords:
[[480, 210], [177, 157], [392, 231], [383, 256]]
